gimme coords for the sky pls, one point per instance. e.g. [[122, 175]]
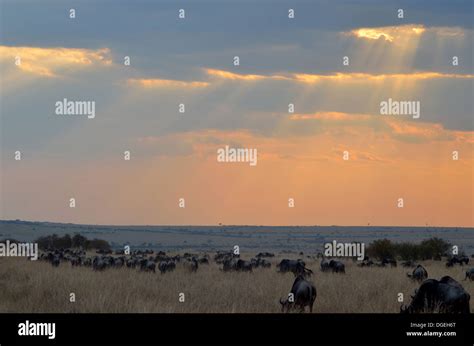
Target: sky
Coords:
[[46, 56]]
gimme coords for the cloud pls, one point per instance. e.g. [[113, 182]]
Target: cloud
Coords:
[[411, 132], [307, 78], [167, 83], [51, 62], [340, 123], [388, 33], [328, 116], [198, 143], [221, 74], [359, 155], [364, 77], [399, 34]]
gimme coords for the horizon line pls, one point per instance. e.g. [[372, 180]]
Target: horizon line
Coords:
[[222, 225]]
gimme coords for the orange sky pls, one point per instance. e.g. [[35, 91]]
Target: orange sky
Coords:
[[300, 155], [327, 190]]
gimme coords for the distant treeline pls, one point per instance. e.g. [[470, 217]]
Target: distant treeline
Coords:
[[433, 248], [66, 241]]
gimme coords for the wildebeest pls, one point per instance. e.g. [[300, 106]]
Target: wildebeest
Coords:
[[457, 260], [302, 294], [265, 254], [98, 263], [76, 261], [332, 265], [469, 274], [203, 260], [297, 267], [408, 264], [147, 265], [366, 262], [229, 264], [119, 262], [235, 264], [55, 261], [244, 266], [418, 274], [260, 262], [324, 265], [191, 264], [132, 263], [166, 266], [443, 296], [391, 261], [221, 256], [337, 267], [104, 252]]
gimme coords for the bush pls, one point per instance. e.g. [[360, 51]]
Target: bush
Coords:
[[381, 249], [77, 241], [98, 244], [432, 248]]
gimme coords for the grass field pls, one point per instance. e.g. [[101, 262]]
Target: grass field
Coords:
[[27, 286]]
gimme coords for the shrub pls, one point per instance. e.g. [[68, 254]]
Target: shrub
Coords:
[[77, 241], [432, 248]]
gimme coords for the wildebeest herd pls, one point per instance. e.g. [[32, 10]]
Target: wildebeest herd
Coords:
[[444, 295]]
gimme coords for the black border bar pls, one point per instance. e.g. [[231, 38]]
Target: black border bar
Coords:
[[219, 329]]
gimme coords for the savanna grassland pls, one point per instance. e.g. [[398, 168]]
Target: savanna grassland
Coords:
[[27, 286]]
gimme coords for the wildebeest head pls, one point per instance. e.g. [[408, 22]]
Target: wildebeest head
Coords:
[[444, 296], [285, 305]]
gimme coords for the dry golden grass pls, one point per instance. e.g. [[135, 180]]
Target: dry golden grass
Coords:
[[38, 287]]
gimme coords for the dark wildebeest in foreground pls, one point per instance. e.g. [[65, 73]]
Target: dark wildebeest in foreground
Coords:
[[457, 260], [302, 294], [418, 274], [469, 274], [333, 266], [443, 296], [297, 267]]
